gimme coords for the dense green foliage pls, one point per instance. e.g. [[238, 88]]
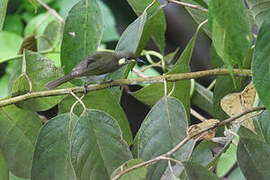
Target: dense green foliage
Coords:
[[91, 138]]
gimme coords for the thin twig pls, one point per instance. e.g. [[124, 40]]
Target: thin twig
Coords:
[[184, 141], [197, 115], [138, 73], [233, 118], [188, 5], [147, 80], [79, 100], [51, 11]]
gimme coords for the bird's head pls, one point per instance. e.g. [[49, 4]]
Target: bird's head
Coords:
[[125, 57]]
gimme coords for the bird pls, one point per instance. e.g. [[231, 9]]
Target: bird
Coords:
[[96, 67]]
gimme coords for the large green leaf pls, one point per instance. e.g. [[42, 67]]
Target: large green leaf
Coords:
[[195, 171], [152, 93], [261, 64], [110, 32], [14, 23], [264, 126], [232, 37], [155, 25], [260, 10], [82, 33], [18, 132], [3, 9], [165, 124], [4, 172], [102, 100], [253, 157], [9, 46], [51, 157], [226, 161], [97, 146], [40, 71]]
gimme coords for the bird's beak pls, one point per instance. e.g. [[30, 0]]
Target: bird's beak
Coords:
[[139, 60]]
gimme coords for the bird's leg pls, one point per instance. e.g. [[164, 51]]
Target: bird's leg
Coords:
[[109, 82], [85, 85]]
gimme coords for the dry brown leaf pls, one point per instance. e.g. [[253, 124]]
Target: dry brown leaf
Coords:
[[236, 103]]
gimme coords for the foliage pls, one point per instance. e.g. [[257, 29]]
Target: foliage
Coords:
[[90, 135]]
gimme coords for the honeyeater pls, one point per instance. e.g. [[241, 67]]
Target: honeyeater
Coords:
[[96, 67]]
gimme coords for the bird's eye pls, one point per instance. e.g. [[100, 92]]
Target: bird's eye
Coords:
[[127, 58]]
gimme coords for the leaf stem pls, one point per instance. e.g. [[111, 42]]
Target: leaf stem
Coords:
[[188, 5]]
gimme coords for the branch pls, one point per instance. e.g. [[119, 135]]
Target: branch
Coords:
[[185, 140], [52, 11], [188, 5], [147, 80]]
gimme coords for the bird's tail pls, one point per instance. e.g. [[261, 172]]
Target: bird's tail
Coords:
[[53, 84]]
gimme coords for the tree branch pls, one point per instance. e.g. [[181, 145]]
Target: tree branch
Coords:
[[188, 5], [185, 140], [51, 11], [148, 80]]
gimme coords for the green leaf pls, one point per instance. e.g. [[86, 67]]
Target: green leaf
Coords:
[[260, 10], [80, 41], [198, 15], [264, 126], [3, 9], [152, 93], [101, 100], [30, 43], [49, 36], [226, 161], [18, 132], [195, 171], [40, 71], [110, 32], [260, 65], [97, 146], [4, 172], [13, 177], [130, 38], [203, 98], [236, 174], [37, 24], [65, 6], [253, 157], [155, 25], [14, 24], [137, 174], [232, 37], [9, 44], [202, 154], [165, 124], [51, 157]]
